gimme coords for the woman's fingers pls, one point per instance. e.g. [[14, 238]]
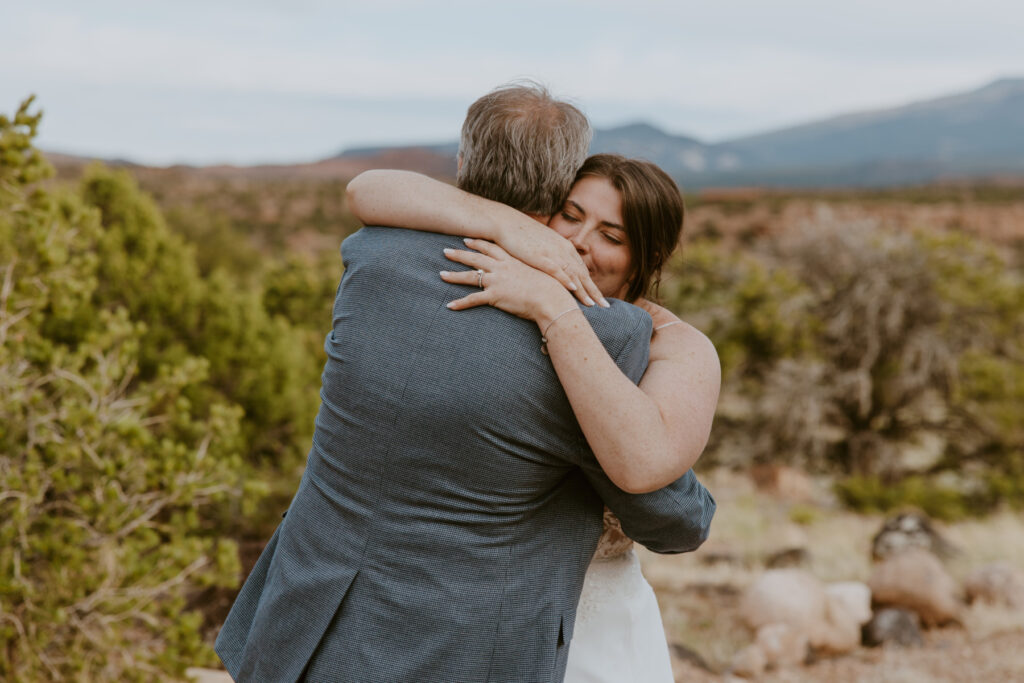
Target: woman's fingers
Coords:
[[481, 298], [486, 247], [560, 273], [461, 277], [591, 289], [580, 292], [583, 289], [469, 258]]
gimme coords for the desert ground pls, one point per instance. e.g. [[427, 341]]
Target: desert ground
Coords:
[[699, 593]]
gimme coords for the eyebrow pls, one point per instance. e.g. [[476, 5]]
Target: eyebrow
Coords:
[[605, 223]]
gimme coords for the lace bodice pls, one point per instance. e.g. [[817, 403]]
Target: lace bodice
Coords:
[[613, 542]]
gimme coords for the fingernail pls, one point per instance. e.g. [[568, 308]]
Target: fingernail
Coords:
[[450, 304], [590, 302], [466, 239], [604, 303], [448, 251], [444, 273], [572, 287]]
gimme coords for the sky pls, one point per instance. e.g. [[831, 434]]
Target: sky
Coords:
[[255, 81]]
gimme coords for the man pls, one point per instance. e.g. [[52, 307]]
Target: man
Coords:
[[450, 505]]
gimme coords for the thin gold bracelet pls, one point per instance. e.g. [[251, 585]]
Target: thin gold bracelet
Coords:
[[544, 335]]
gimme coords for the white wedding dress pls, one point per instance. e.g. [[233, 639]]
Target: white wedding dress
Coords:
[[618, 636]]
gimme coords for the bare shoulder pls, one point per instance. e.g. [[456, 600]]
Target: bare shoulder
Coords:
[[683, 342], [675, 339]]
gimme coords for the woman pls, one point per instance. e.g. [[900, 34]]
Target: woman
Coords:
[[619, 224]]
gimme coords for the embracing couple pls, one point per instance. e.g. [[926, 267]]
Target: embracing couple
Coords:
[[501, 415]]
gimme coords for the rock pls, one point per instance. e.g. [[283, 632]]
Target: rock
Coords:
[[909, 530], [788, 596], [893, 625], [826, 619], [726, 557], [790, 542], [776, 645], [848, 607], [782, 645], [854, 596], [996, 584], [915, 579], [788, 557], [750, 662], [793, 613]]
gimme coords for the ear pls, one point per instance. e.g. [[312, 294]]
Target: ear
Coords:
[[459, 167]]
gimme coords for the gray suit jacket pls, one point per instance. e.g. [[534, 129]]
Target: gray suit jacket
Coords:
[[450, 504]]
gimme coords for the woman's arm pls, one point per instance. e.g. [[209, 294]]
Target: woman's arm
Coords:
[[645, 436], [411, 200]]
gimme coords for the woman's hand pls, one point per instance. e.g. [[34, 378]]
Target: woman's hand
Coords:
[[411, 200], [507, 283], [539, 246]]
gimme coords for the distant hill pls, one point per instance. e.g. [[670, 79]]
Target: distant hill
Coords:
[[680, 156], [968, 134], [973, 135]]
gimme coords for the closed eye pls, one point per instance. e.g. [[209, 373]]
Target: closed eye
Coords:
[[569, 217], [612, 237]]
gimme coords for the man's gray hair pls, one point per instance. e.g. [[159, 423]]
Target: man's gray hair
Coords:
[[521, 147]]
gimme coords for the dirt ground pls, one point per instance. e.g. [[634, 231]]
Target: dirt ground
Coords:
[[699, 593]]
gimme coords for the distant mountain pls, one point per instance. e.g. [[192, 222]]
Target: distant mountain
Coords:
[[441, 158], [680, 156], [973, 134]]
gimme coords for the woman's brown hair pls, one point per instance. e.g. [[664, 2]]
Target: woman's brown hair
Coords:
[[652, 213]]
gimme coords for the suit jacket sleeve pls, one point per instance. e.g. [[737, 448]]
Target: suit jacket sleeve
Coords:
[[674, 519]]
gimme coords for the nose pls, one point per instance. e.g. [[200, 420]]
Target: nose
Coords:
[[580, 241]]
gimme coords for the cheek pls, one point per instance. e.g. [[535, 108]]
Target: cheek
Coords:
[[623, 260], [560, 226], [614, 264]]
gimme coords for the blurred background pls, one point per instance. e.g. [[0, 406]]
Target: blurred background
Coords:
[[171, 206]]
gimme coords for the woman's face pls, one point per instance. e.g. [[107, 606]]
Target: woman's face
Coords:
[[592, 220]]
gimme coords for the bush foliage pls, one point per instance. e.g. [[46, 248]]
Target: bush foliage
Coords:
[[893, 357], [140, 398], [106, 463]]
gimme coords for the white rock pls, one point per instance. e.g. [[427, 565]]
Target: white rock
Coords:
[[854, 596], [782, 644], [750, 662], [846, 606], [788, 596]]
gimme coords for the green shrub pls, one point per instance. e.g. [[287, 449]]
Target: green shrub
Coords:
[[107, 467], [872, 494], [845, 347], [804, 515], [257, 359]]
